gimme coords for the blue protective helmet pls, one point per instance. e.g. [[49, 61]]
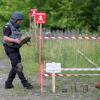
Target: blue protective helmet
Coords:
[[17, 16]]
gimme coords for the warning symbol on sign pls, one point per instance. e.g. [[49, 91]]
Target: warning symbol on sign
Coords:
[[40, 18], [33, 12]]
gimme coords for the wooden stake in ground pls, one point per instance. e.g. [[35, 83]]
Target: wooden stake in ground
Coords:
[[53, 83]]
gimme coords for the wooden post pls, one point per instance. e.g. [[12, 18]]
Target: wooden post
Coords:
[[53, 83]]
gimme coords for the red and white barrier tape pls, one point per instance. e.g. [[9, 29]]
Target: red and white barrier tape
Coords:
[[80, 69], [73, 37], [69, 75]]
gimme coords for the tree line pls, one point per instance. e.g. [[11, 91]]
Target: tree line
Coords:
[[61, 14]]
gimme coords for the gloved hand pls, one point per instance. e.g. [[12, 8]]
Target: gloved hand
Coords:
[[25, 40]]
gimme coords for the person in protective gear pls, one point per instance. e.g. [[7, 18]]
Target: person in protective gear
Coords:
[[11, 41]]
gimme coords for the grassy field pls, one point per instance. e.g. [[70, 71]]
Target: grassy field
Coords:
[[29, 59], [73, 54], [67, 52], [2, 53]]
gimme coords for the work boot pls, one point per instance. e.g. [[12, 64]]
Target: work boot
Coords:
[[27, 85], [8, 85]]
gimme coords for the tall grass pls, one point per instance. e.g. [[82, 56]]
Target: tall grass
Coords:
[[29, 59], [63, 51], [66, 52], [2, 52]]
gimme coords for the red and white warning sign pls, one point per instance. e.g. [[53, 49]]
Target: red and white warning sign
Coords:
[[33, 12], [40, 18]]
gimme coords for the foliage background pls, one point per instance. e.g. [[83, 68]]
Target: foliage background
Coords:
[[61, 14]]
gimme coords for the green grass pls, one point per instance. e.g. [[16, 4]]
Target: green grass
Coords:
[[65, 52], [2, 52], [29, 59]]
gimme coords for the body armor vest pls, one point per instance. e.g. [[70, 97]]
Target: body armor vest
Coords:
[[15, 33]]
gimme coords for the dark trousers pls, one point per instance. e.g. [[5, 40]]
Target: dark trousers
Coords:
[[15, 58]]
